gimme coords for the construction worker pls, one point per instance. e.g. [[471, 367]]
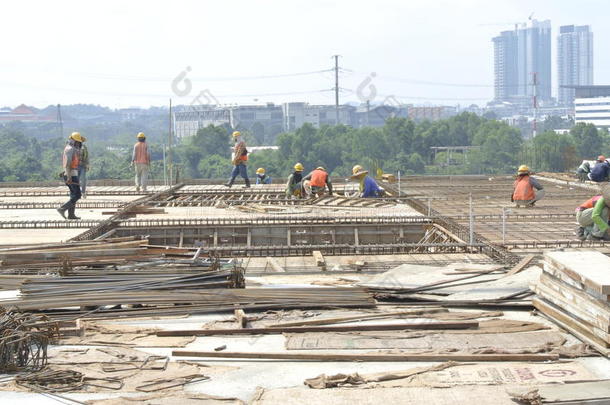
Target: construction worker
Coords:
[[240, 157], [315, 183], [83, 168], [526, 189], [261, 177], [584, 218], [294, 186], [601, 171], [583, 171], [70, 163], [368, 186], [141, 159]]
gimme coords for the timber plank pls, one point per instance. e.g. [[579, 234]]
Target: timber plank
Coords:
[[588, 267]]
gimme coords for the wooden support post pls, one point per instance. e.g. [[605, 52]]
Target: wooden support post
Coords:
[[240, 318], [320, 261], [521, 265]]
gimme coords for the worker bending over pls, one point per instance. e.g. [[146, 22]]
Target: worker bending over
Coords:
[[601, 171], [140, 157], [588, 227], [70, 163], [526, 189], [261, 177], [368, 187], [315, 183], [240, 159], [583, 171], [294, 186]]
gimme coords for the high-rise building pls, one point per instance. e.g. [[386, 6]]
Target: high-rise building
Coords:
[[574, 61], [522, 57]]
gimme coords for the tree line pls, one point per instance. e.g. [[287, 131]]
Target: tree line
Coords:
[[400, 145]]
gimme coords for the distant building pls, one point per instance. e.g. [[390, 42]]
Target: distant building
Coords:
[[376, 116], [298, 114], [130, 114], [192, 118], [430, 113], [518, 56], [592, 105], [25, 114], [574, 61]]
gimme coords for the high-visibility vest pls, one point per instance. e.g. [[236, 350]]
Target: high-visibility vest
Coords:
[[318, 178], [75, 157], [590, 203], [524, 191], [141, 149]]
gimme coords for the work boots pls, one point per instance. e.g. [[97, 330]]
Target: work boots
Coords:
[[62, 210], [230, 183], [247, 183], [71, 214]]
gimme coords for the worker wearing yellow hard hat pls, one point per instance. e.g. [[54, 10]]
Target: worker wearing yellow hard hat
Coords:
[[261, 177], [140, 158], [239, 160], [83, 167], [316, 182], [70, 163], [526, 189], [368, 187], [294, 186]]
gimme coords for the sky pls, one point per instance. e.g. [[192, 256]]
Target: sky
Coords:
[[142, 53]]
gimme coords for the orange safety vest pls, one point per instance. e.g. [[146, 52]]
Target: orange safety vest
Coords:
[[590, 203], [141, 152], [523, 190], [318, 178], [241, 148], [75, 158]]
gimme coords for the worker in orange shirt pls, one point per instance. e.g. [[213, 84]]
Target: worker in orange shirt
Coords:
[[141, 159], [526, 189], [240, 159], [70, 163], [315, 183]]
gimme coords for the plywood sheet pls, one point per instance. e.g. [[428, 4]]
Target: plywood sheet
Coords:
[[588, 267]]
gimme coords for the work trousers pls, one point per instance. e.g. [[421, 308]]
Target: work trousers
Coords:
[[142, 175], [75, 195], [539, 195], [585, 220], [239, 170], [82, 179]]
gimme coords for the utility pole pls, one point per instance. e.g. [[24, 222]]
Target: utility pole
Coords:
[[336, 89], [60, 122], [170, 167]]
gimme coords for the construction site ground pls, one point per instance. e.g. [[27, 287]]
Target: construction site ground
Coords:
[[328, 242]]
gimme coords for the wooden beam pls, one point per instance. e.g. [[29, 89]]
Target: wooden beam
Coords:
[[370, 357], [327, 321], [521, 265], [344, 328]]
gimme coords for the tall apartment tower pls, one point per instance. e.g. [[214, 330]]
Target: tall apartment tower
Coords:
[[518, 55], [574, 61]]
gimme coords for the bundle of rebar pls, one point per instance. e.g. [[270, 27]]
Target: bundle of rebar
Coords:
[[24, 338]]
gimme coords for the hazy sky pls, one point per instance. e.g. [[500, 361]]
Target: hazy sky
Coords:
[[126, 53]]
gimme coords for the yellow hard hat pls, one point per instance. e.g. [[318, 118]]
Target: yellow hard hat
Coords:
[[260, 170], [236, 134], [299, 167], [523, 169], [141, 135], [356, 169], [76, 136]]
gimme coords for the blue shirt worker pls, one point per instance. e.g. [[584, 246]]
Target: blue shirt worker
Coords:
[[368, 186], [261, 177]]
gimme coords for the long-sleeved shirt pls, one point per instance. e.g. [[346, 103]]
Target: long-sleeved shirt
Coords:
[[600, 172], [369, 188], [264, 179], [597, 215], [294, 179], [70, 159], [84, 156]]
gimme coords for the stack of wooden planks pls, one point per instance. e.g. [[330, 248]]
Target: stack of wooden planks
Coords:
[[574, 292]]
